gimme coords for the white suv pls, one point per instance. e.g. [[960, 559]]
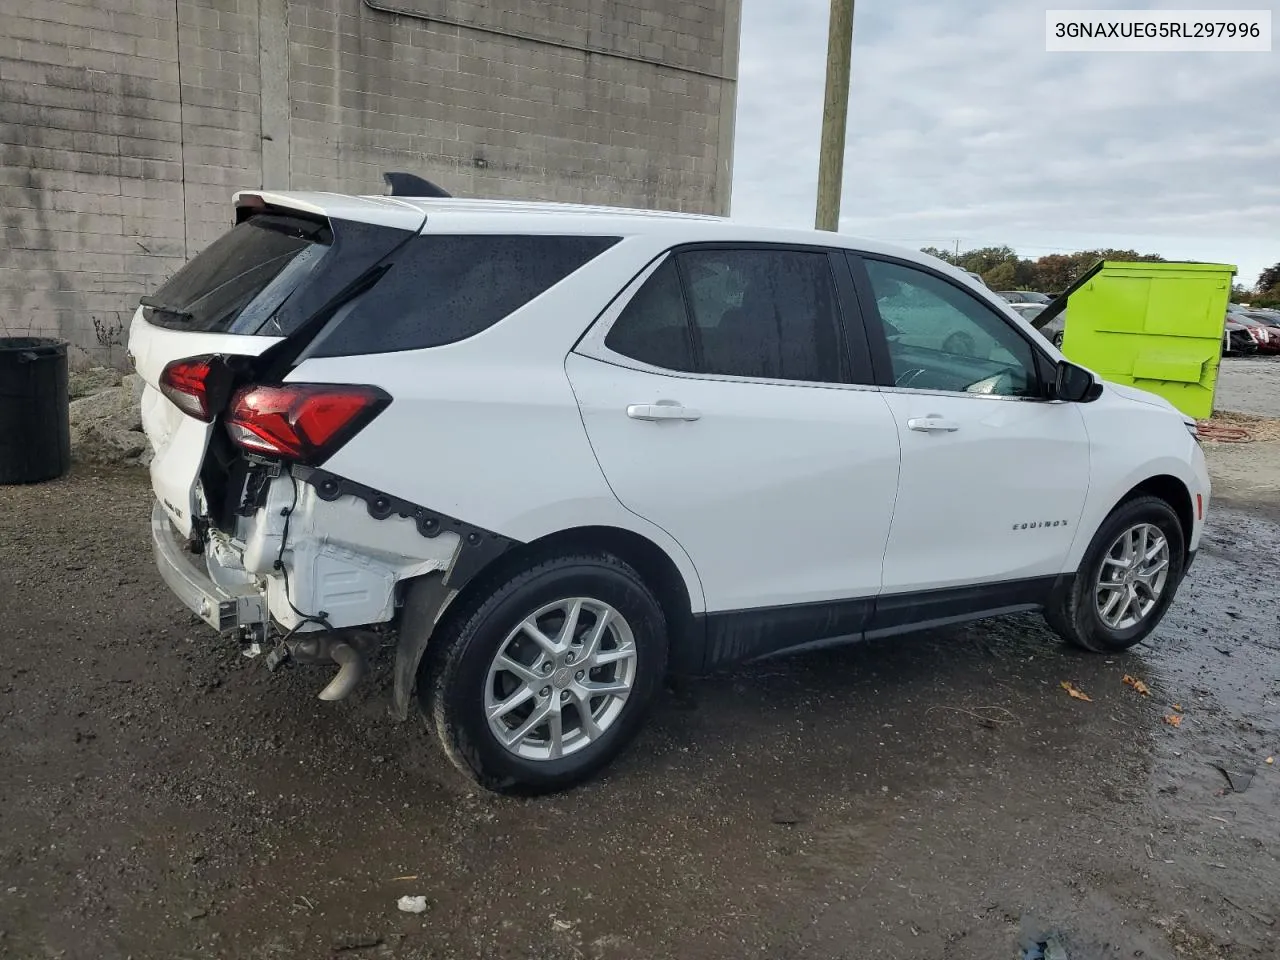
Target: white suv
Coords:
[[552, 452]]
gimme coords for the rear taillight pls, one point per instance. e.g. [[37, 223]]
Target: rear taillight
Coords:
[[304, 421], [189, 383]]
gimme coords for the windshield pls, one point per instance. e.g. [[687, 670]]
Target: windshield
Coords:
[[240, 280]]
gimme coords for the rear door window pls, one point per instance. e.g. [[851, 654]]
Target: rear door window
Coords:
[[242, 278], [768, 314], [444, 288], [758, 312], [654, 326]]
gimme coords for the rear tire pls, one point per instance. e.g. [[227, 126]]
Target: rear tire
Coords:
[[1114, 603], [565, 690]]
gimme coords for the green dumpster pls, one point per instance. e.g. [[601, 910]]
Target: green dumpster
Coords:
[[1155, 326]]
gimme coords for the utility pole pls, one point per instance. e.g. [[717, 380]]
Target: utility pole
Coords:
[[835, 113], [957, 249]]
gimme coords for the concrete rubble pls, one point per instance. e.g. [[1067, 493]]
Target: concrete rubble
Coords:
[[106, 417]]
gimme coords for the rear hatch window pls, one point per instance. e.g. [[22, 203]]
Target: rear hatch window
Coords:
[[239, 282]]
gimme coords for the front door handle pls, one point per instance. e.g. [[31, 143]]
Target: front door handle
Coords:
[[932, 424], [662, 410]]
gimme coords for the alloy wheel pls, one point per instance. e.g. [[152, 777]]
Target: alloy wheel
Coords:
[[560, 679], [1135, 570]]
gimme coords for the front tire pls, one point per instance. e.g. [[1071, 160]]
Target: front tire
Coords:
[[1126, 581], [541, 683]]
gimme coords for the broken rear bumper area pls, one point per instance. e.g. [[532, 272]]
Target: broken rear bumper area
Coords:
[[225, 609]]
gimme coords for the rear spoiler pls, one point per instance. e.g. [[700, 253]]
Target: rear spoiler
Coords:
[[387, 211]]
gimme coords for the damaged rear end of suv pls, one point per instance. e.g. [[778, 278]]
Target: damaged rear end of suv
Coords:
[[249, 529], [317, 408], [241, 499]]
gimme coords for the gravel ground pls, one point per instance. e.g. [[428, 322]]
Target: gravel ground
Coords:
[[933, 797], [1249, 385]]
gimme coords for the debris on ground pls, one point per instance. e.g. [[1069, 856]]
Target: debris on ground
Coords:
[[787, 815], [1271, 760], [105, 417], [1231, 427], [412, 904], [1137, 684], [1237, 780], [1049, 949], [356, 941], [1263, 918], [990, 717], [85, 383], [1177, 708], [1075, 692], [1173, 719]]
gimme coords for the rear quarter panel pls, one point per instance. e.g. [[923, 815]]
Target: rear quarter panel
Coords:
[[488, 430]]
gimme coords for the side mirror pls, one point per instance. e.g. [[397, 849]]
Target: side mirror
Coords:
[[1075, 384]]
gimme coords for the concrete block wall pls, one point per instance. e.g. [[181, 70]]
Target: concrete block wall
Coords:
[[126, 125]]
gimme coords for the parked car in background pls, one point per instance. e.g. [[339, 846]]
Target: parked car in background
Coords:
[[1270, 317], [1053, 331], [1265, 336], [548, 451], [1025, 296], [1237, 341]]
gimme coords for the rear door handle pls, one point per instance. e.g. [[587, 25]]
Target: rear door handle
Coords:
[[932, 424], [662, 410]]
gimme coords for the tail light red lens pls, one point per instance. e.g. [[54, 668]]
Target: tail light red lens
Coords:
[[306, 422], [187, 383]]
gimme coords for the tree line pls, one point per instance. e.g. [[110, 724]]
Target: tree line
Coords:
[[1265, 293], [1002, 269]]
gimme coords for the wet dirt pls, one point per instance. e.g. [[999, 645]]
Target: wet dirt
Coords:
[[939, 796]]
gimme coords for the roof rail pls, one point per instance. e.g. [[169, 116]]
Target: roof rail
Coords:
[[410, 185]]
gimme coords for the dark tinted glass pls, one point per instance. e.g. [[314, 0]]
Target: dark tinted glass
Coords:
[[442, 289], [242, 278], [653, 327], [770, 314]]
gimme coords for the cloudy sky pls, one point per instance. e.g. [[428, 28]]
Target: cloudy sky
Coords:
[[962, 127]]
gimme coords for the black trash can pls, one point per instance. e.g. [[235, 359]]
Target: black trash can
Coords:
[[35, 432]]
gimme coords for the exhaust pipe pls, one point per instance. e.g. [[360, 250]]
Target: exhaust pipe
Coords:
[[353, 668]]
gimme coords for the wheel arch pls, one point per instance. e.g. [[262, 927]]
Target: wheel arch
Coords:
[[1173, 492], [659, 570], [430, 604], [1169, 479]]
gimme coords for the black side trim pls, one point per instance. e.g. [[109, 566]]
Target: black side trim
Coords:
[[737, 635], [921, 610], [477, 547]]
